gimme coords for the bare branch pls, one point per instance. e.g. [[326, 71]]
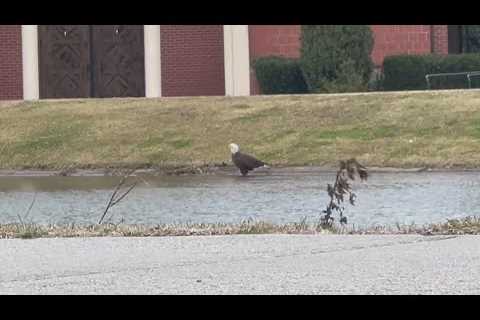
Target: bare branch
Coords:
[[25, 216], [123, 195], [113, 201], [31, 206]]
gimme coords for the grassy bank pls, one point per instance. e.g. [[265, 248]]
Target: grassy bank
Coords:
[[408, 129], [467, 226]]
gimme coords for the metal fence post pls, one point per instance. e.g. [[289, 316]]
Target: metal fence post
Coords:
[[427, 77]]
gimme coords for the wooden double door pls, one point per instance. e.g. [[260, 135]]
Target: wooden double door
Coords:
[[82, 61]]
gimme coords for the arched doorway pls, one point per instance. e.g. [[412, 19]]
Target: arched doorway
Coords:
[[81, 61]]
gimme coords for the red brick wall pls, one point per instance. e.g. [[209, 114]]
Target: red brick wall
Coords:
[[192, 60], [274, 40], [11, 85], [397, 39], [440, 39]]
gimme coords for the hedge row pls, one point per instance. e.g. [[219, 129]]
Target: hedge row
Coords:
[[407, 72], [279, 75]]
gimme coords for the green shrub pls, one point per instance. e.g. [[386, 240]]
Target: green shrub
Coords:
[[279, 75], [407, 72], [336, 58]]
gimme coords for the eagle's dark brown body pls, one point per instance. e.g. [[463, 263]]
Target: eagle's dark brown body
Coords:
[[246, 163]]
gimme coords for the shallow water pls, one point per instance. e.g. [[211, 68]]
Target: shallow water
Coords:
[[278, 196]]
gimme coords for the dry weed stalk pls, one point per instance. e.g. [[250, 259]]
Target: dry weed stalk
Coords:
[[341, 188]]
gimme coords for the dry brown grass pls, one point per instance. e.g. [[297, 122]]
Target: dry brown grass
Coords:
[[30, 231], [408, 129], [466, 226]]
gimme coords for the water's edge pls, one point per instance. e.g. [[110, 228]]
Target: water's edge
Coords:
[[210, 170]]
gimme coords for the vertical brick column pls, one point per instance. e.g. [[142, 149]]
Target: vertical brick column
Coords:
[[153, 73], [30, 59], [440, 39], [11, 87], [237, 60]]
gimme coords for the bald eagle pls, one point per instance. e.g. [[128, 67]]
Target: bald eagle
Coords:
[[244, 162]]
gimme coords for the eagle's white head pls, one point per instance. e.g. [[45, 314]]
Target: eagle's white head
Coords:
[[233, 148]]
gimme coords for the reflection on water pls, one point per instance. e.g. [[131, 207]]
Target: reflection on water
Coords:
[[278, 196]]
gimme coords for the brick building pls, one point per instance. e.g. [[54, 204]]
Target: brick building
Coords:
[[66, 61]]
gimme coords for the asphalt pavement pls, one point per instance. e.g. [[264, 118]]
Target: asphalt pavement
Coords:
[[243, 264]]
